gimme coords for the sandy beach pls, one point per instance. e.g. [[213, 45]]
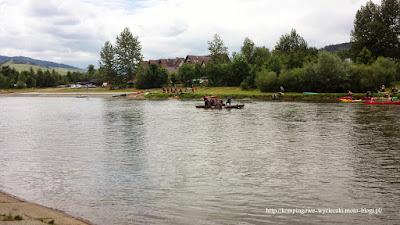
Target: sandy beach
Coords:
[[66, 94], [33, 214]]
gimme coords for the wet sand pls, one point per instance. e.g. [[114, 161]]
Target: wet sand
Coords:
[[33, 214]]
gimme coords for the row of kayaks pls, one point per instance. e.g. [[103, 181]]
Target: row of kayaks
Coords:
[[365, 98], [371, 100]]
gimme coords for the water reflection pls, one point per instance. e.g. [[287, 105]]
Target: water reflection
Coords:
[[115, 161]]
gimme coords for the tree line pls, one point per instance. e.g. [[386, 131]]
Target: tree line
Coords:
[[371, 61], [11, 78]]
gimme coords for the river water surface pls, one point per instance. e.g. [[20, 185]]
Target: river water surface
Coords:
[[118, 161]]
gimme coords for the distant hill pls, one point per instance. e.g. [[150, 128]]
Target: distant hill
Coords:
[[21, 63], [337, 47], [17, 65], [26, 60]]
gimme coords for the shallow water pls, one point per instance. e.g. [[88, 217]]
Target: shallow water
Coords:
[[117, 161]]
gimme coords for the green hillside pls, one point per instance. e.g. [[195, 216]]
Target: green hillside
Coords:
[[27, 67]]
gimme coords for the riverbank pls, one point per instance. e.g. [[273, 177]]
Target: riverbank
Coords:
[[221, 92], [17, 211]]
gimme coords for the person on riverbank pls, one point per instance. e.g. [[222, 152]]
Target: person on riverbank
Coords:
[[228, 101], [383, 87], [349, 93], [282, 89]]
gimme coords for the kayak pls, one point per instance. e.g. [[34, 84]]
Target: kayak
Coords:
[[378, 98], [347, 97], [310, 93], [350, 100], [136, 93], [119, 95], [382, 103], [213, 96]]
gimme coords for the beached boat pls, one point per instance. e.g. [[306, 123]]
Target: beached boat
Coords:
[[377, 98], [119, 95], [347, 98], [350, 100], [81, 96], [136, 93], [383, 103], [220, 107]]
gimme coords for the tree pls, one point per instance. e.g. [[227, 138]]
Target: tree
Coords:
[[365, 57], [293, 50], [40, 78], [291, 42], [218, 74], [128, 55], [91, 71], [107, 63], [173, 78], [4, 82], [240, 70], [153, 76], [248, 50], [377, 28], [328, 74], [218, 51], [261, 55], [30, 81], [187, 73], [274, 64]]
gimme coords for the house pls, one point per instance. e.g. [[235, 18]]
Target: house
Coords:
[[192, 59], [172, 65]]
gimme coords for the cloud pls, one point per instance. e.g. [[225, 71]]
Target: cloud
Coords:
[[74, 31]]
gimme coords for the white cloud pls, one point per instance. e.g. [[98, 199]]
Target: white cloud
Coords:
[[74, 31]]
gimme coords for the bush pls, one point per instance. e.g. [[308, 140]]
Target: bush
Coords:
[[292, 80], [266, 80]]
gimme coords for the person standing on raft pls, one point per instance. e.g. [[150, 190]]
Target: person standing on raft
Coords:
[[228, 101]]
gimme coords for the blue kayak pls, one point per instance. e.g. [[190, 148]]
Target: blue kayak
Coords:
[[310, 93]]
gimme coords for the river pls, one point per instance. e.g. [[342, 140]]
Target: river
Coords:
[[120, 161]]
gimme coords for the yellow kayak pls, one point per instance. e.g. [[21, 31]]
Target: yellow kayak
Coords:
[[349, 100]]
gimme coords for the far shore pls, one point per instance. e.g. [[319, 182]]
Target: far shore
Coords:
[[33, 214], [219, 92]]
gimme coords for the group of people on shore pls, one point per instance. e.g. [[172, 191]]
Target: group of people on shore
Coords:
[[282, 92], [175, 90], [168, 90], [215, 102], [395, 90]]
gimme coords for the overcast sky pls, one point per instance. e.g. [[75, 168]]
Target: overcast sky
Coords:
[[74, 31]]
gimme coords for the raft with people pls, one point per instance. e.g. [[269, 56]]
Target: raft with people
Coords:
[[210, 102], [237, 106]]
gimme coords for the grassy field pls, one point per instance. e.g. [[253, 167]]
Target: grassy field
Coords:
[[27, 67]]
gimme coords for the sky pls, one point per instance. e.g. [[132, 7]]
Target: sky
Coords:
[[74, 31]]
